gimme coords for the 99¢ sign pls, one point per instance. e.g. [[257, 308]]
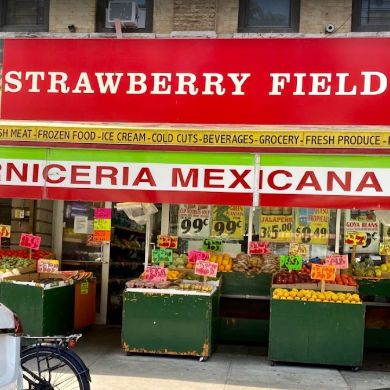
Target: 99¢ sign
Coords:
[[228, 221], [194, 221]]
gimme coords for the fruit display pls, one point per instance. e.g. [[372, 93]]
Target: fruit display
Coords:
[[225, 262], [179, 261], [286, 277], [173, 275], [23, 254], [256, 263], [10, 266], [139, 283], [201, 287], [363, 268], [315, 296], [345, 280]]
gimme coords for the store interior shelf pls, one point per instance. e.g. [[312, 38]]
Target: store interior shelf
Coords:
[[127, 229], [78, 262]]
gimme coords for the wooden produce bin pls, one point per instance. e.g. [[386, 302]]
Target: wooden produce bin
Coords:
[[169, 321], [244, 308], [44, 309], [84, 303], [317, 333]]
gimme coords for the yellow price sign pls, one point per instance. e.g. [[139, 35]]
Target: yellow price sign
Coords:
[[312, 226], [356, 238], [228, 221], [276, 226]]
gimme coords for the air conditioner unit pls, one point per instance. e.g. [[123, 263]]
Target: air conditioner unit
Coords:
[[124, 10]]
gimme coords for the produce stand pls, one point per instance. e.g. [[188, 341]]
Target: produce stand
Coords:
[[316, 333], [244, 307], [376, 294], [44, 308], [170, 321]]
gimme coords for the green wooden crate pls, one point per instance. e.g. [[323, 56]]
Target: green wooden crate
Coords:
[[374, 287], [164, 323], [316, 332], [239, 283], [43, 312]]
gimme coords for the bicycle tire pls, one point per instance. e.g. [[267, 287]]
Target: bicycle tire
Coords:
[[57, 367]]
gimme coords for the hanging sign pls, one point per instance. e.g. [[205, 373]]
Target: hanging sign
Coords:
[[259, 247], [323, 272], [194, 221], [228, 222], [291, 262], [162, 256], [194, 256], [339, 261], [206, 268], [156, 274], [212, 245], [80, 224], [30, 241], [84, 287], [297, 249], [5, 231], [167, 241], [276, 224], [361, 228], [102, 225], [312, 226]]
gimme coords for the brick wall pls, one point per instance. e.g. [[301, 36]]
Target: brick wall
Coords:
[[163, 16], [227, 16], [81, 13], [194, 15], [315, 15]]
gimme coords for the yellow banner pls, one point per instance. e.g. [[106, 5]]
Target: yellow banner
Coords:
[[312, 226], [228, 222], [276, 224], [233, 137]]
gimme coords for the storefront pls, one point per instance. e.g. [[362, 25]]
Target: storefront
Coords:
[[250, 143]]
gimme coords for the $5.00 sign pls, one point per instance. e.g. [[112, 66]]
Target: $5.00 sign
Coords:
[[206, 268], [323, 272]]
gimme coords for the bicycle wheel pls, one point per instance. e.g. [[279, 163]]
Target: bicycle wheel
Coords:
[[48, 368]]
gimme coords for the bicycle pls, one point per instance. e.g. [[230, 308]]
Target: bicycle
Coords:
[[49, 363]]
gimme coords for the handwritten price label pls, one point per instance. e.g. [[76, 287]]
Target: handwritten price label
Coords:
[[297, 249], [193, 256], [356, 238], [167, 241], [5, 231], [162, 256], [212, 245], [323, 272], [259, 247], [30, 241], [291, 262], [206, 268], [156, 274], [339, 261]]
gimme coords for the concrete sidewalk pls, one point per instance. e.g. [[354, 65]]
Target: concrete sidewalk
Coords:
[[229, 368]]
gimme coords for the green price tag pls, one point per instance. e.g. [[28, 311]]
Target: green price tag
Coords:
[[291, 262], [84, 288], [162, 256], [212, 245]]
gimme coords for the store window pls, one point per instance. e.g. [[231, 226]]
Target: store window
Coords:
[[371, 15], [269, 16], [24, 15], [136, 15]]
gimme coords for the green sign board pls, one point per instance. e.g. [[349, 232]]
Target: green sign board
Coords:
[[162, 256], [291, 262], [212, 245]]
